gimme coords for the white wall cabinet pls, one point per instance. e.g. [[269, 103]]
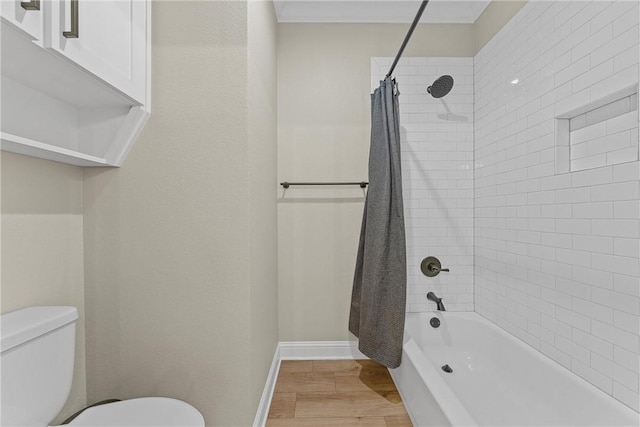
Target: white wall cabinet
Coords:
[[81, 100], [25, 16], [109, 40]]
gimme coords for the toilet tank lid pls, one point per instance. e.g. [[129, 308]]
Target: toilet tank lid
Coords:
[[28, 323]]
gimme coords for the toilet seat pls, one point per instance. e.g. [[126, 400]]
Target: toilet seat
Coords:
[[145, 411]]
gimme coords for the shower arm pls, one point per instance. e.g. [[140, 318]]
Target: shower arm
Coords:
[[408, 36]]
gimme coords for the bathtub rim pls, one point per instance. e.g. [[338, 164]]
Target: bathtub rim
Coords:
[[543, 358], [449, 403]]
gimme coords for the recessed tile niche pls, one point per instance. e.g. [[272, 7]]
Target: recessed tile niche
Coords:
[[601, 133]]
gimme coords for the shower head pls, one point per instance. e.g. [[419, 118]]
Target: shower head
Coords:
[[441, 86]]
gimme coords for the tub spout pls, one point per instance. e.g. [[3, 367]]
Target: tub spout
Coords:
[[432, 297]]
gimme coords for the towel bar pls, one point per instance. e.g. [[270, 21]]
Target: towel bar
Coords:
[[362, 184]]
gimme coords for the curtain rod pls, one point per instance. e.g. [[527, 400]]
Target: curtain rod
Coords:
[[408, 36]]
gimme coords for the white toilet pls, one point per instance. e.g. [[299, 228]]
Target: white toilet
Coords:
[[37, 352]]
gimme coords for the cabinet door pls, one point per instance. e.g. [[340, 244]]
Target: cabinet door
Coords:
[[27, 16], [110, 40]]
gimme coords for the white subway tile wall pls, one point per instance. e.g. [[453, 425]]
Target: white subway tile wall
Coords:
[[556, 255], [437, 176]]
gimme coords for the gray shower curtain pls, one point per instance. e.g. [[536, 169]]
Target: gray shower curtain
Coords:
[[378, 299]]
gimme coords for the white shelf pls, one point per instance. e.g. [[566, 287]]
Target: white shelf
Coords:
[[29, 147], [72, 103]]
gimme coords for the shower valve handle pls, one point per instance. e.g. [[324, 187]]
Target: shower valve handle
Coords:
[[431, 266], [435, 268]]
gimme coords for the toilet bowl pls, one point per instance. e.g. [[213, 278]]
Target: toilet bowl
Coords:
[[37, 349], [144, 411]]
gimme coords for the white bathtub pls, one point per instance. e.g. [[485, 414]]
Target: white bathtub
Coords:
[[497, 380]]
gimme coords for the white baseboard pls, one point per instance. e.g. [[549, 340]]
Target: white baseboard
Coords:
[[301, 350], [267, 393], [320, 350]]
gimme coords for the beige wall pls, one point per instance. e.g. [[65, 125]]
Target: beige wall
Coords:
[[179, 302], [263, 140], [323, 135], [42, 250], [492, 19]]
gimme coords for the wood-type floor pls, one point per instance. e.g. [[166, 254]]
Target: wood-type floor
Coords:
[[336, 393]]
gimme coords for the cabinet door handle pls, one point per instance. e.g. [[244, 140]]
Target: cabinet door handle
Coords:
[[30, 5], [73, 34]]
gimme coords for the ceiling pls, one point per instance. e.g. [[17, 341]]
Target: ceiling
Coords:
[[378, 11]]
